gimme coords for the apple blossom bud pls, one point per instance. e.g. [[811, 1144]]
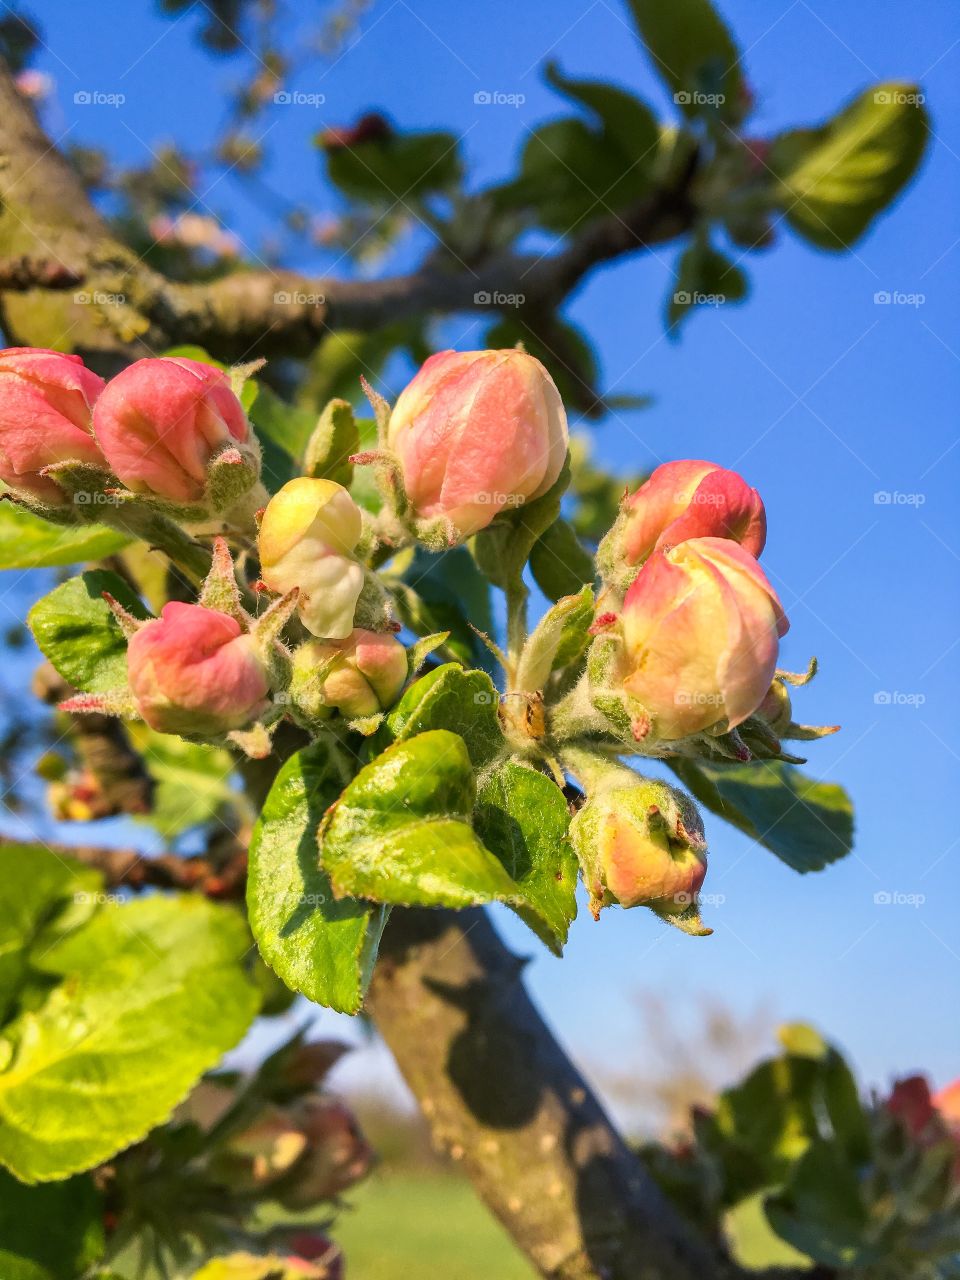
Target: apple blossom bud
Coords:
[[46, 405], [336, 1157], [641, 845], [477, 432], [681, 500], [700, 629], [309, 529], [359, 676], [194, 672], [161, 422]]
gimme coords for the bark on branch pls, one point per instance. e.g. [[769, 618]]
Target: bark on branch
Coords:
[[51, 236]]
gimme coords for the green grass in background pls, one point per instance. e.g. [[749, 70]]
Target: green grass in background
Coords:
[[423, 1226]]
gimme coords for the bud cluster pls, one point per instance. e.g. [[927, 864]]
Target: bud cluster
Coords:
[[168, 432]]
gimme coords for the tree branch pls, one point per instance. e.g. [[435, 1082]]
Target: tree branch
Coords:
[[502, 1097], [50, 233]]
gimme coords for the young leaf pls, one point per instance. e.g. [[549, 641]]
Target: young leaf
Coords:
[[401, 832], [74, 627], [627, 120], [334, 439], [465, 702], [53, 1232], [561, 636], [821, 1210], [439, 593], [523, 818], [808, 824], [837, 178], [30, 542], [319, 946], [401, 166], [705, 277], [153, 993], [693, 51]]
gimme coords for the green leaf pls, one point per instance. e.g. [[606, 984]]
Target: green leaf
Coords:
[[808, 824], [559, 561], [523, 818], [753, 1243], [321, 947], [30, 542], [835, 179], [821, 1210], [401, 167], [561, 637], [692, 49], [53, 1232], [38, 886], [401, 832], [192, 780], [628, 122], [153, 993], [74, 628], [705, 278], [571, 173], [464, 702]]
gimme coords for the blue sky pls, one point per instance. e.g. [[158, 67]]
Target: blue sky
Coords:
[[821, 397]]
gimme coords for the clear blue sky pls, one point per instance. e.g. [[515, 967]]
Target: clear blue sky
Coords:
[[820, 397]]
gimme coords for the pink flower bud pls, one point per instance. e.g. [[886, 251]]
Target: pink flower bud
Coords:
[[307, 535], [700, 631], [641, 845], [46, 403], [477, 432], [160, 422], [337, 1153], [689, 499], [193, 671], [358, 676]]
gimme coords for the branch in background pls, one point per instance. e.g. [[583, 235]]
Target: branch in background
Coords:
[[220, 877], [48, 226]]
